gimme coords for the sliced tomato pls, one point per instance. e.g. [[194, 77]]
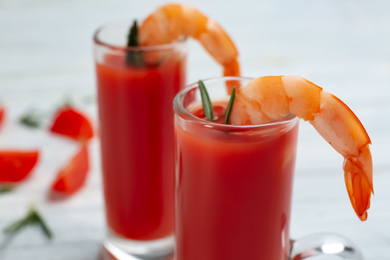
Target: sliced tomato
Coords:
[[73, 124], [15, 166], [72, 177], [2, 114]]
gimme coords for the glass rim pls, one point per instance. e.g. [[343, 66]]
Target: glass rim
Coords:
[[98, 41], [179, 109]]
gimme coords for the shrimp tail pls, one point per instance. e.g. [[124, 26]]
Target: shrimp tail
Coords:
[[232, 69], [358, 179]]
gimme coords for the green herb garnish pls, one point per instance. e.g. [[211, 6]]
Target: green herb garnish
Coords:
[[31, 119], [230, 105], [134, 57], [32, 218], [206, 102], [6, 188]]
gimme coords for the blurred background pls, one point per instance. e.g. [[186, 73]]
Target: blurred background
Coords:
[[46, 55]]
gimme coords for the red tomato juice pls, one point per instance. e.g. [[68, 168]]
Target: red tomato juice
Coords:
[[136, 129], [233, 190]]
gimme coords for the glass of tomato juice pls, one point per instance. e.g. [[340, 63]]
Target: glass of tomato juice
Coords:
[[234, 185], [136, 86]]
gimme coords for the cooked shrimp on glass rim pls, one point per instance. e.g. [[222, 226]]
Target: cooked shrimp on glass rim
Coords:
[[272, 98], [266, 99], [172, 21]]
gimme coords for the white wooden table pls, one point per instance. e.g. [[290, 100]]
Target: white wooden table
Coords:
[[342, 45]]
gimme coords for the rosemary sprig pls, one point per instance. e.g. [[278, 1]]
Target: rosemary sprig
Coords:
[[31, 119], [6, 188], [230, 105], [32, 218], [134, 57], [43, 225], [206, 102]]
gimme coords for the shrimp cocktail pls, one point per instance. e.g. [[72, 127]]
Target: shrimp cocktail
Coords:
[[235, 162], [139, 71]]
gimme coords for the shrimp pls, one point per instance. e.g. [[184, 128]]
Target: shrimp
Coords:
[[171, 21], [271, 98]]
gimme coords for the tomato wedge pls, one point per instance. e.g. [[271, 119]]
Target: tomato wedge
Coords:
[[72, 123], [2, 114], [15, 166], [72, 177]]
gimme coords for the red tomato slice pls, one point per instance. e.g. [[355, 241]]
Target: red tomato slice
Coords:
[[15, 166], [72, 177], [2, 114], [73, 124]]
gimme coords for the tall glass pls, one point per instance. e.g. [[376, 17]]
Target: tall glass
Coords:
[[234, 185], [136, 86]]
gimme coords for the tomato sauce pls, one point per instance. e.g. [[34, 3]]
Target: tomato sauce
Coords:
[[136, 129], [233, 190]]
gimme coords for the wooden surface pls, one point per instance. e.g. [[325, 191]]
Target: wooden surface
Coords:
[[342, 45]]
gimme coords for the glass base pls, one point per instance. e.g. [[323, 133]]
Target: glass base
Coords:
[[126, 249]]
